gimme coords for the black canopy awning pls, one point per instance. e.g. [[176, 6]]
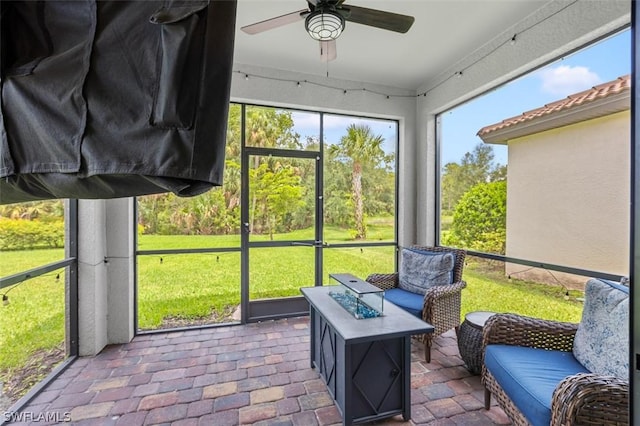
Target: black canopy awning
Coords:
[[113, 99]]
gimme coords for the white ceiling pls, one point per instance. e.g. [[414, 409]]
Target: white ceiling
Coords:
[[444, 32]]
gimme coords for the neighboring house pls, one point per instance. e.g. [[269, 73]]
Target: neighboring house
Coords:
[[568, 184]]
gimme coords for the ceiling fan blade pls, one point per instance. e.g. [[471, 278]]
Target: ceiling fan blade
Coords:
[[378, 18], [328, 51], [276, 22]]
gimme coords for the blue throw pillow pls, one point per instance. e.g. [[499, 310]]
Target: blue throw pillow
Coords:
[[602, 340], [421, 270]]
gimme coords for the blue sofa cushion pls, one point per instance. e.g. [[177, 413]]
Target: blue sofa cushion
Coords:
[[410, 302], [602, 340], [529, 376], [421, 270]]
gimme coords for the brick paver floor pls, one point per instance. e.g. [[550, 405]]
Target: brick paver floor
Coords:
[[239, 375]]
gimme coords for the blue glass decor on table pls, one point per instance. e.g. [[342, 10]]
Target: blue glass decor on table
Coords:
[[354, 305], [358, 297]]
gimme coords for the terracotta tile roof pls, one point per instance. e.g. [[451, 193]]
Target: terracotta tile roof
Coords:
[[597, 92]]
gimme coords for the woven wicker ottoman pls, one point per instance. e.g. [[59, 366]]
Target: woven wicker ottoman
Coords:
[[470, 339]]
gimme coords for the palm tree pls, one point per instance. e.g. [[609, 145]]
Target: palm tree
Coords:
[[359, 147]]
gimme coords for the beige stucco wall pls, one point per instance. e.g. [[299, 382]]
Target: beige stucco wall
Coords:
[[568, 198]]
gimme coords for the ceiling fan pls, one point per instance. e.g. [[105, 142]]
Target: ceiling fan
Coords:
[[325, 20]]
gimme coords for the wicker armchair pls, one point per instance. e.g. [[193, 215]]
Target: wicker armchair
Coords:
[[441, 306], [578, 399]]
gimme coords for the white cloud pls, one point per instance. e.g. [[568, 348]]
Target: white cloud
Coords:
[[335, 126], [566, 80], [306, 119]]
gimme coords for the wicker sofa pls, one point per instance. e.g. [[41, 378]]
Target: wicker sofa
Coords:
[[440, 304], [545, 372]]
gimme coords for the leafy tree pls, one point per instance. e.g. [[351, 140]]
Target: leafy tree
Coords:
[[498, 173], [479, 219], [218, 211], [267, 128], [478, 164], [358, 148], [379, 182], [150, 208], [277, 191], [270, 128], [474, 167], [338, 203], [206, 214], [355, 167], [43, 210], [303, 216], [232, 180]]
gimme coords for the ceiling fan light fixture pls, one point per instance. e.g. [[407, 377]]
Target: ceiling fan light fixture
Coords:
[[324, 25]]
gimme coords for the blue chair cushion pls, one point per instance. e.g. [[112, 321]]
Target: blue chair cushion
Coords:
[[410, 302], [529, 376]]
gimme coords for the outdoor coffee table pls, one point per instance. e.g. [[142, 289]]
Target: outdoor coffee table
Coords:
[[365, 363]]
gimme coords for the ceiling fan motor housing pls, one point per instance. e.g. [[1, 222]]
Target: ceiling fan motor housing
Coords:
[[324, 24]]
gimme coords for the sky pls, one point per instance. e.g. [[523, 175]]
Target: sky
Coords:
[[308, 124], [598, 63]]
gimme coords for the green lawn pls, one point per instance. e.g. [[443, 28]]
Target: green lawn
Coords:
[[492, 291], [207, 286], [194, 285], [186, 286], [378, 229], [32, 323], [13, 262]]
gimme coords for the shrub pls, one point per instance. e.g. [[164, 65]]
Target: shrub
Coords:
[[479, 219], [21, 234]]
